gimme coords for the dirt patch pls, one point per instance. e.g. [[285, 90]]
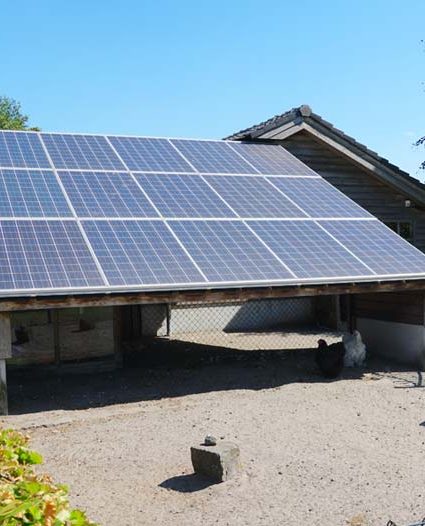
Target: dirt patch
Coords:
[[335, 453]]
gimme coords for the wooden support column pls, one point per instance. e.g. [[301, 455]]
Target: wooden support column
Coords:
[[168, 307], [352, 322], [117, 328], [56, 339], [5, 352]]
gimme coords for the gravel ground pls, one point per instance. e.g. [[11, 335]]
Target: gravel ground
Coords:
[[314, 452]]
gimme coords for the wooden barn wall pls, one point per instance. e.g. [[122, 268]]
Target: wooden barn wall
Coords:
[[382, 201], [390, 306]]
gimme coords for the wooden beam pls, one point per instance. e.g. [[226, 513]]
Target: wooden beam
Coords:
[[117, 330], [5, 352], [168, 307], [5, 336], [4, 410], [56, 337], [204, 296]]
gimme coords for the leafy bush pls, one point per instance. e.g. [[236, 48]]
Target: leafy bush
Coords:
[[27, 498]]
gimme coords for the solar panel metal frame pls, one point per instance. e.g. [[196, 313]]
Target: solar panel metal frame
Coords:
[[172, 286], [71, 180], [86, 152], [55, 199], [279, 182], [26, 134], [148, 181], [384, 227], [49, 290]]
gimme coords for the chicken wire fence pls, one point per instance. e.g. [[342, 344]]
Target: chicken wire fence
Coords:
[[290, 323], [78, 334]]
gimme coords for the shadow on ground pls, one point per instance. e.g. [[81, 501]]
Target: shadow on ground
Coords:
[[164, 370], [187, 483]]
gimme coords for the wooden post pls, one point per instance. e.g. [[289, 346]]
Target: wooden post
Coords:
[[351, 313], [56, 339], [5, 352], [168, 307], [117, 328]]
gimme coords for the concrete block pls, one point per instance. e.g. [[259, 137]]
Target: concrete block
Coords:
[[219, 463]]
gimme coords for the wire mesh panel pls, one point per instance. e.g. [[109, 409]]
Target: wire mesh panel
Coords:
[[294, 323]]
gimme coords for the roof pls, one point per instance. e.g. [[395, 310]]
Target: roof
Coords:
[[303, 118], [87, 214]]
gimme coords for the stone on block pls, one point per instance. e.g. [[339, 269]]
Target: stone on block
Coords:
[[219, 463]]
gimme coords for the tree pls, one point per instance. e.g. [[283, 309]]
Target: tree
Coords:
[[419, 143], [11, 116]]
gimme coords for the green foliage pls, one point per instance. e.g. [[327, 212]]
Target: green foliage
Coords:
[[421, 142], [11, 116], [27, 498]]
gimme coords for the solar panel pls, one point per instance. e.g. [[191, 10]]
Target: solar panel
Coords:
[[272, 159], [379, 247], [142, 154], [213, 157], [318, 198], [134, 253], [22, 150], [183, 196], [35, 193], [176, 213], [106, 194], [228, 251], [253, 197], [45, 255], [307, 250], [83, 152]]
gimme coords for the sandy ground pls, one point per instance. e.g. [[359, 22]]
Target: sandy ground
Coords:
[[314, 452]]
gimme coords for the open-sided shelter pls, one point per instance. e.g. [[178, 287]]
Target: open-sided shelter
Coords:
[[114, 221]]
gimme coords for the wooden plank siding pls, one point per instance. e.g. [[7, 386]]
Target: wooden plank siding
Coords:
[[378, 198], [397, 307]]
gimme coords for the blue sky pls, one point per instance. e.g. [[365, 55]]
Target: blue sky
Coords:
[[206, 69]]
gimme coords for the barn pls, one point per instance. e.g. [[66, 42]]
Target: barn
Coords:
[[110, 239], [392, 323]]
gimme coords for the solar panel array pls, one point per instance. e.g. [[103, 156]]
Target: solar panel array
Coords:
[[83, 213]]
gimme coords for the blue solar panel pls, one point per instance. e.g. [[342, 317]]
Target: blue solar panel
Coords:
[[22, 150], [45, 255], [213, 157], [106, 194], [307, 250], [135, 253], [127, 217], [272, 159], [83, 152], [183, 196], [253, 197], [379, 247], [142, 154], [228, 251], [318, 198], [33, 193]]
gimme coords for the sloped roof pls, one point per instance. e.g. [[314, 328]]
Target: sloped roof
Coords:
[[304, 114]]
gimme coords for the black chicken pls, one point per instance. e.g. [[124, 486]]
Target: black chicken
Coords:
[[330, 358]]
